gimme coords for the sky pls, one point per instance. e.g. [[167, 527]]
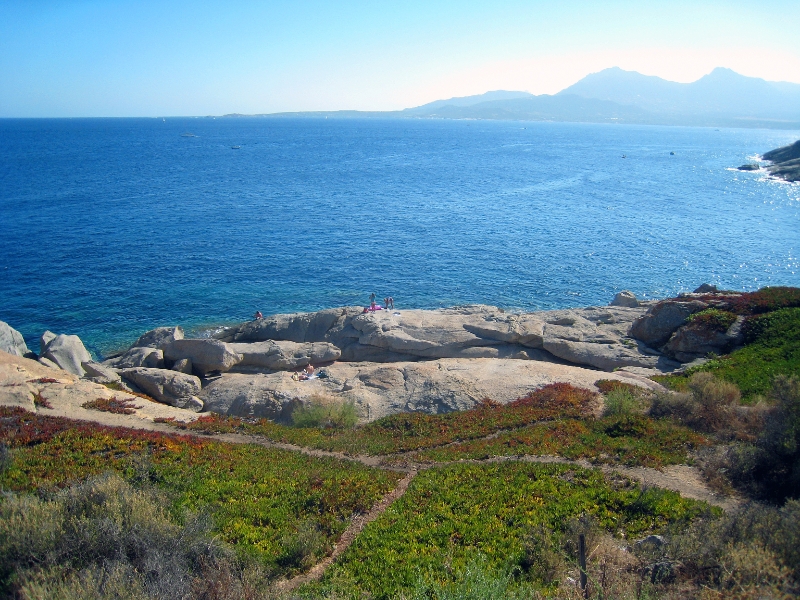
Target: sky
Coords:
[[99, 58]]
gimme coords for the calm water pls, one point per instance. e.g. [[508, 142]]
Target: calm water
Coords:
[[110, 227]]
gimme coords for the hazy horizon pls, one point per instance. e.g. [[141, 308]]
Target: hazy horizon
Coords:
[[98, 58]]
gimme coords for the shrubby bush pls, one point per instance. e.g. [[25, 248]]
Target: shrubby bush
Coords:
[[103, 538], [325, 413]]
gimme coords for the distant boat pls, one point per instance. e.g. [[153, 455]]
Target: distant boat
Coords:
[[623, 156], [187, 134], [235, 147]]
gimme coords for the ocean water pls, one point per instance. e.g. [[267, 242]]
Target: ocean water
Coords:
[[109, 227]]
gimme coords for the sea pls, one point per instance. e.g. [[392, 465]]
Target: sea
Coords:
[[110, 227]]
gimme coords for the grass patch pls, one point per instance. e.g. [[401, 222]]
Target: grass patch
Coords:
[[111, 405], [713, 319], [260, 499], [452, 514]]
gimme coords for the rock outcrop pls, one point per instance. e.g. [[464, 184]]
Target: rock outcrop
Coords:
[[282, 356], [100, 373], [594, 336], [659, 323], [625, 298], [66, 351], [11, 341], [145, 356], [785, 162], [159, 337], [173, 388], [206, 355], [380, 389], [697, 340]]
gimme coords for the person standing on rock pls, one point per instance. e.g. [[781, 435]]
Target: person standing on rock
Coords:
[[372, 298], [258, 315], [391, 303]]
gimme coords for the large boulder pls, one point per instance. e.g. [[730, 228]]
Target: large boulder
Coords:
[[625, 298], [100, 373], [149, 357], [67, 351], [206, 355], [159, 337], [697, 340], [11, 341], [169, 387], [282, 356], [660, 322]]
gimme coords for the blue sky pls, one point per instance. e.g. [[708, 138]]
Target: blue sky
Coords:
[[61, 58]]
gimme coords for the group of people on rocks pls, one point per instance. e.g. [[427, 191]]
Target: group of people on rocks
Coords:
[[388, 303]]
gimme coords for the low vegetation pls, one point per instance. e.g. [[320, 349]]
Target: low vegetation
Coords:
[[112, 405], [280, 510], [481, 521]]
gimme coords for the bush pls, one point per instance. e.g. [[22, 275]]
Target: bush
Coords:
[[325, 413], [101, 530], [621, 401]]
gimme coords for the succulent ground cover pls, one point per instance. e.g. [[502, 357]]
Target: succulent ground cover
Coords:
[[282, 508], [771, 341], [450, 514], [621, 439]]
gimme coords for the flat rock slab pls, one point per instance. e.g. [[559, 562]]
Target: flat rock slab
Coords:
[[475, 331], [380, 389]]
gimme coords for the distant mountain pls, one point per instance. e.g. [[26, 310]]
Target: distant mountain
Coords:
[[722, 98], [471, 100], [721, 93]]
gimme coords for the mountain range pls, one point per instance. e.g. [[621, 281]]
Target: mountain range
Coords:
[[722, 98]]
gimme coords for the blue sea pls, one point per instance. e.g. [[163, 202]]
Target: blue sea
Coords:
[[110, 227]]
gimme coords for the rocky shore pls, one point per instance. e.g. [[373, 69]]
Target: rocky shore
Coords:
[[392, 361], [785, 162]]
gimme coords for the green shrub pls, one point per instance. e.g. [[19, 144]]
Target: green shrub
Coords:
[[621, 401], [325, 414]]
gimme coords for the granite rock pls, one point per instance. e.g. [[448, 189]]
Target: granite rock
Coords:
[[659, 323], [67, 351], [11, 341], [282, 355], [149, 357], [170, 387], [625, 298], [159, 337], [207, 355]]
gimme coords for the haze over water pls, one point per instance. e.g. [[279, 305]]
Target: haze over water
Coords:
[[113, 226]]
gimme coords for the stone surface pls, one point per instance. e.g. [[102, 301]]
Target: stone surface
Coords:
[[206, 355], [48, 363], [152, 358], [183, 365], [67, 351], [11, 340], [282, 355], [170, 387], [46, 338], [706, 288], [380, 389], [661, 320], [100, 373], [159, 337], [21, 378], [475, 331], [625, 298], [695, 340]]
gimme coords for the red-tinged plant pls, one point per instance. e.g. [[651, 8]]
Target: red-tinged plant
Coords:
[[43, 380], [41, 401], [112, 405]]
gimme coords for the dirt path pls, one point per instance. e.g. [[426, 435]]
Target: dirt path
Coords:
[[348, 537]]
